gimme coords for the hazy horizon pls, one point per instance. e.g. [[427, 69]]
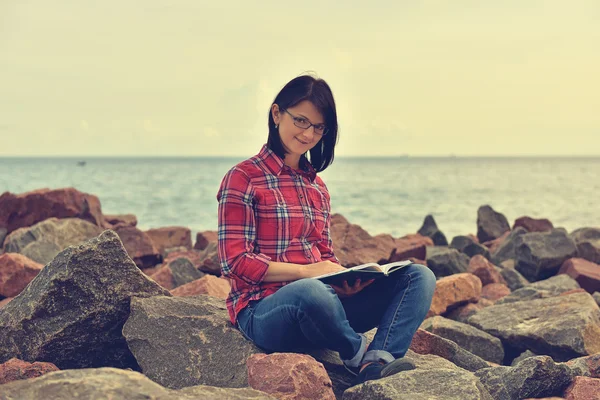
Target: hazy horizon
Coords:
[[429, 78]]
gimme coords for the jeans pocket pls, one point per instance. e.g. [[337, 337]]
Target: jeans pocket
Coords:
[[243, 321]]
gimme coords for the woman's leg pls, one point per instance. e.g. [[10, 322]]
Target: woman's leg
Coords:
[[397, 305], [303, 313]]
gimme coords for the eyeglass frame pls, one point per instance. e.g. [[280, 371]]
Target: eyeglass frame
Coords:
[[325, 129]]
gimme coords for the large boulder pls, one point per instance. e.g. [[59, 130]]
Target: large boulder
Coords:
[[476, 341], [176, 273], [44, 240], [72, 312], [514, 279], [490, 224], [452, 291], [533, 377], [139, 246], [204, 238], [550, 287], [506, 250], [113, 383], [585, 272], [588, 243], [170, 236], [539, 255], [26, 209], [485, 270], [16, 271], [444, 261], [469, 246], [533, 224], [583, 388], [431, 230], [208, 284], [562, 327], [187, 341]]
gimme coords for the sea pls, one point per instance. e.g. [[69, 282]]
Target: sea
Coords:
[[383, 195]]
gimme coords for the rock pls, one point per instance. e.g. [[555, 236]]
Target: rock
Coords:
[[597, 297], [4, 302], [15, 369], [469, 246], [72, 312], [208, 285], [583, 388], [431, 230], [434, 378], [490, 224], [410, 247], [585, 366], [493, 245], [532, 377], [171, 236], [524, 355], [44, 240], [539, 255], [175, 273], [454, 290], [197, 257], [473, 340], [204, 238], [116, 221], [561, 327], [484, 270], [514, 279], [209, 260], [507, 249], [16, 271], [139, 246], [550, 287], [26, 209], [186, 341], [444, 261], [3, 233], [586, 273], [533, 225], [289, 376], [113, 383], [587, 241], [495, 291], [462, 313]]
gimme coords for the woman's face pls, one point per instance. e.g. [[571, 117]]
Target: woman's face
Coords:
[[296, 140]]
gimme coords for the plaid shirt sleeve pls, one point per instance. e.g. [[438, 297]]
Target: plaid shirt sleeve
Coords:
[[237, 232], [325, 245]]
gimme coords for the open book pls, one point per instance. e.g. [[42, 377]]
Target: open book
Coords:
[[364, 272]]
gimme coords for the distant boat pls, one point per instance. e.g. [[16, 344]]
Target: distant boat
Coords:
[[81, 163]]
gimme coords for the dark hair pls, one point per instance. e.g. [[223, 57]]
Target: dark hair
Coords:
[[317, 91]]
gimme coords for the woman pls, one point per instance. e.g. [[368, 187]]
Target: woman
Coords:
[[274, 221]]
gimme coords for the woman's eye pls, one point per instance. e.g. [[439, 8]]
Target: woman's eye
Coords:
[[301, 120]]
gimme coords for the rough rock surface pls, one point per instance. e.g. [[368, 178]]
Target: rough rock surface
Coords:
[[208, 285], [73, 311], [585, 272], [170, 236], [44, 240], [204, 238], [15, 369], [484, 270], [16, 271], [175, 273], [454, 290], [587, 241], [506, 250], [490, 224], [495, 291], [444, 261], [585, 366], [289, 376], [550, 287], [583, 388], [470, 246], [113, 383], [139, 246], [514, 279], [534, 225], [431, 230], [187, 341]]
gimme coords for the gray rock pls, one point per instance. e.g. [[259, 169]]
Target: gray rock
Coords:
[[585, 366], [430, 229], [550, 287], [113, 383], [444, 261], [187, 341], [596, 297], [475, 341], [433, 379], [71, 314], [533, 377], [466, 245], [506, 250], [44, 240], [524, 355], [539, 255], [514, 279], [3, 232], [490, 224], [587, 241], [562, 327], [183, 271]]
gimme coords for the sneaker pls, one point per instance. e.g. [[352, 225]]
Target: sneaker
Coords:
[[377, 371]]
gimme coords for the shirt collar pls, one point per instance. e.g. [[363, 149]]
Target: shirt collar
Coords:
[[275, 163]]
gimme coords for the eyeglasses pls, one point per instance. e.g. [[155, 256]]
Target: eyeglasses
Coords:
[[301, 122]]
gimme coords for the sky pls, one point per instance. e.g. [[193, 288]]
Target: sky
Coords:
[[197, 78]]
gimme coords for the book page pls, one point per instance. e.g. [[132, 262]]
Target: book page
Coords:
[[386, 268]]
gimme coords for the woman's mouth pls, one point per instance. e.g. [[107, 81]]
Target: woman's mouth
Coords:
[[301, 141]]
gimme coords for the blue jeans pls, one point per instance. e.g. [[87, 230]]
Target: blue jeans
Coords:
[[308, 314]]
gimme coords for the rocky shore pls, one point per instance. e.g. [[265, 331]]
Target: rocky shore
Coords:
[[91, 307]]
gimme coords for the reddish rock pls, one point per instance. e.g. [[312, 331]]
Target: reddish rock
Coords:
[[454, 290], [4, 302], [409, 247], [289, 376], [15, 369], [495, 291], [170, 236], [534, 225], [484, 270], [206, 260], [568, 292], [116, 221], [26, 209], [586, 366], [208, 284], [139, 246], [494, 244], [473, 237], [585, 272], [545, 398], [583, 388], [176, 273], [462, 313], [204, 238], [16, 271]]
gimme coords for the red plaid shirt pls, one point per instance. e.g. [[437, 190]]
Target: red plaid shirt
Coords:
[[269, 211]]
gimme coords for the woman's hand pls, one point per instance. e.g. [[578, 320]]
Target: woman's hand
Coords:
[[347, 291], [321, 268]]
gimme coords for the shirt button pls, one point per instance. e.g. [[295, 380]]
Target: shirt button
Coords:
[[301, 196]]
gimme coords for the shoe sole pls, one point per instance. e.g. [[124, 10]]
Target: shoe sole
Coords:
[[396, 366]]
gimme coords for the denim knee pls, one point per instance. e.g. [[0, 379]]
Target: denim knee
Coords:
[[315, 297], [424, 278]]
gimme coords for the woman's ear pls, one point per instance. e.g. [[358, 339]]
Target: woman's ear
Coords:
[[275, 113]]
